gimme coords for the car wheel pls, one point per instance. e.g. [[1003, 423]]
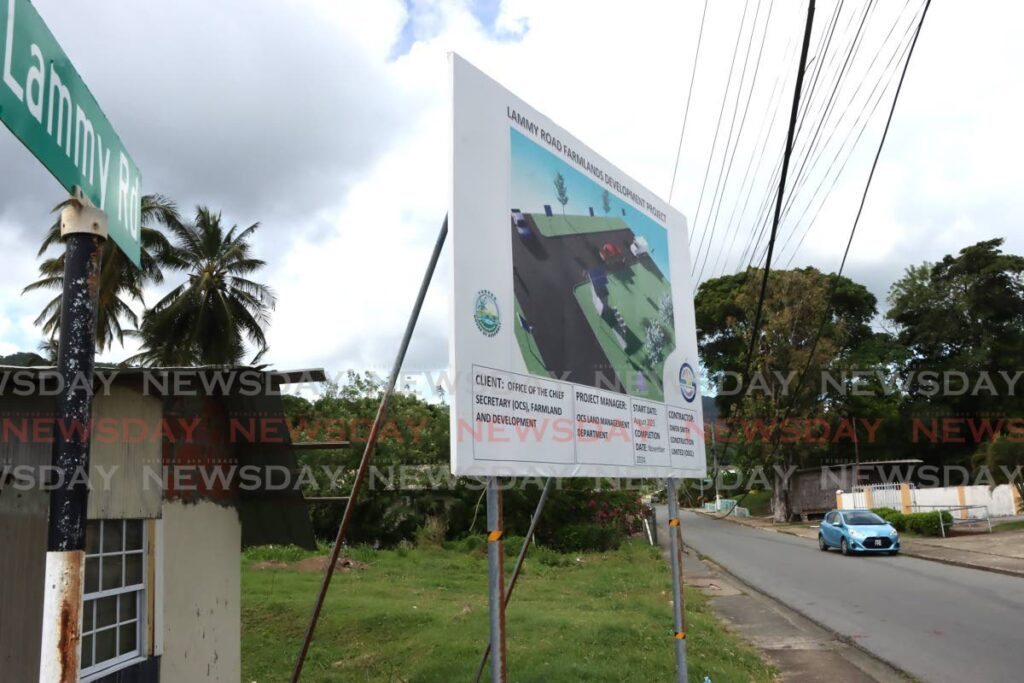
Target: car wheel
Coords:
[[822, 546], [844, 547]]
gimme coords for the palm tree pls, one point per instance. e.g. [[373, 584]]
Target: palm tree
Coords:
[[120, 280], [207, 320]]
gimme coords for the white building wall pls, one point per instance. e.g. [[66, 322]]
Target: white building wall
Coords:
[[201, 550]]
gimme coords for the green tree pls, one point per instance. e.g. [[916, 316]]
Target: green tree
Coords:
[[561, 194], [208, 319], [1003, 457], [121, 283], [962, 316], [794, 307]]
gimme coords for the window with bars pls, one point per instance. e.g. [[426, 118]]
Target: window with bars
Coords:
[[113, 614]]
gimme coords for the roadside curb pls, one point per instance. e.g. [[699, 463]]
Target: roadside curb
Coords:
[[844, 639], [904, 552]]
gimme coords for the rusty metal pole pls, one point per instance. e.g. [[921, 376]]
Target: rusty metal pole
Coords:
[[548, 485], [496, 578], [371, 441], [83, 228], [678, 594]]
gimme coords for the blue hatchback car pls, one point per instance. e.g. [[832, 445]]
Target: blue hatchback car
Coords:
[[857, 531]]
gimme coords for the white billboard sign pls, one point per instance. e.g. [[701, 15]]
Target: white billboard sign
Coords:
[[573, 342]]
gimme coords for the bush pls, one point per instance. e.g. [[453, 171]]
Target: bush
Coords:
[[927, 523], [586, 537], [549, 557], [432, 533], [513, 544], [897, 519]]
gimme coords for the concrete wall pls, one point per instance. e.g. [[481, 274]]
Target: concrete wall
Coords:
[[201, 592], [1000, 501]]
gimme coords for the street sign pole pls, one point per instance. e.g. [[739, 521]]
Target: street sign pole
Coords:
[[678, 597], [83, 228], [496, 579]]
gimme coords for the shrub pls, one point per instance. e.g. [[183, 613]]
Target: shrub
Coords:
[[432, 533], [549, 557], [470, 544], [586, 537], [896, 518], [927, 523], [513, 544]]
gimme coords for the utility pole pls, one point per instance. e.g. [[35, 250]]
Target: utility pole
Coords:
[[856, 445], [714, 454], [83, 229]]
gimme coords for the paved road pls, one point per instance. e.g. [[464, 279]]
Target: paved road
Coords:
[[937, 622]]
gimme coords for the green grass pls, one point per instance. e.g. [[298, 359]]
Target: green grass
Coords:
[[421, 615], [528, 347], [759, 503], [636, 297], [1008, 526], [559, 225]]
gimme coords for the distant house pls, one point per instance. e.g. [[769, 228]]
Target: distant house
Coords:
[[169, 512]]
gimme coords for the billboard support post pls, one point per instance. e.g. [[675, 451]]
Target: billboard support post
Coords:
[[83, 229], [678, 598], [371, 441], [496, 578], [548, 485]]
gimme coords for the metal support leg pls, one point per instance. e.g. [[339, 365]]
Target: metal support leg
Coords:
[[371, 442], [548, 485], [678, 601], [496, 579]]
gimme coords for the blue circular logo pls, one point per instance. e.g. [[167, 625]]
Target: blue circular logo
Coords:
[[486, 313], [688, 382]]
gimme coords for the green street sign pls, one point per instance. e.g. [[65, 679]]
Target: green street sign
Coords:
[[47, 105]]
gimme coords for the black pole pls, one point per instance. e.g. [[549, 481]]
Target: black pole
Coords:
[[371, 441], [75, 359], [83, 229], [782, 183]]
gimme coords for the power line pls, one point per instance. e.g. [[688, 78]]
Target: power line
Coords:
[[724, 180], [860, 208], [689, 98], [824, 43], [891, 68], [718, 125], [734, 223], [782, 183]]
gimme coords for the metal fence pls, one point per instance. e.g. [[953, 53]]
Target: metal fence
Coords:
[[962, 515]]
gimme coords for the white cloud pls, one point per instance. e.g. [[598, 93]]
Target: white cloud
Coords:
[[296, 115]]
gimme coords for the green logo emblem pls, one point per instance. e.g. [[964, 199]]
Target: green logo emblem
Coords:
[[486, 314]]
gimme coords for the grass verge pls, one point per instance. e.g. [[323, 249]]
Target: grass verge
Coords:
[[421, 615]]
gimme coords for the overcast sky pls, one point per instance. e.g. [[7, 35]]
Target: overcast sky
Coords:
[[326, 121]]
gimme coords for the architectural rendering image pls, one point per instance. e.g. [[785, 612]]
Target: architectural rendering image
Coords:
[[593, 297]]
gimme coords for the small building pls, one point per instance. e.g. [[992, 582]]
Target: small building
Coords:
[[187, 466], [813, 489]]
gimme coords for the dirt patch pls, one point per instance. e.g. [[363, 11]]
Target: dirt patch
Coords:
[[318, 564], [270, 564]]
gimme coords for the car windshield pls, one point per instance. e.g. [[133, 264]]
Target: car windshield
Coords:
[[862, 518]]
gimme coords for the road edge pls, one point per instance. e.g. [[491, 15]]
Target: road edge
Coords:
[[903, 551], [891, 668]]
